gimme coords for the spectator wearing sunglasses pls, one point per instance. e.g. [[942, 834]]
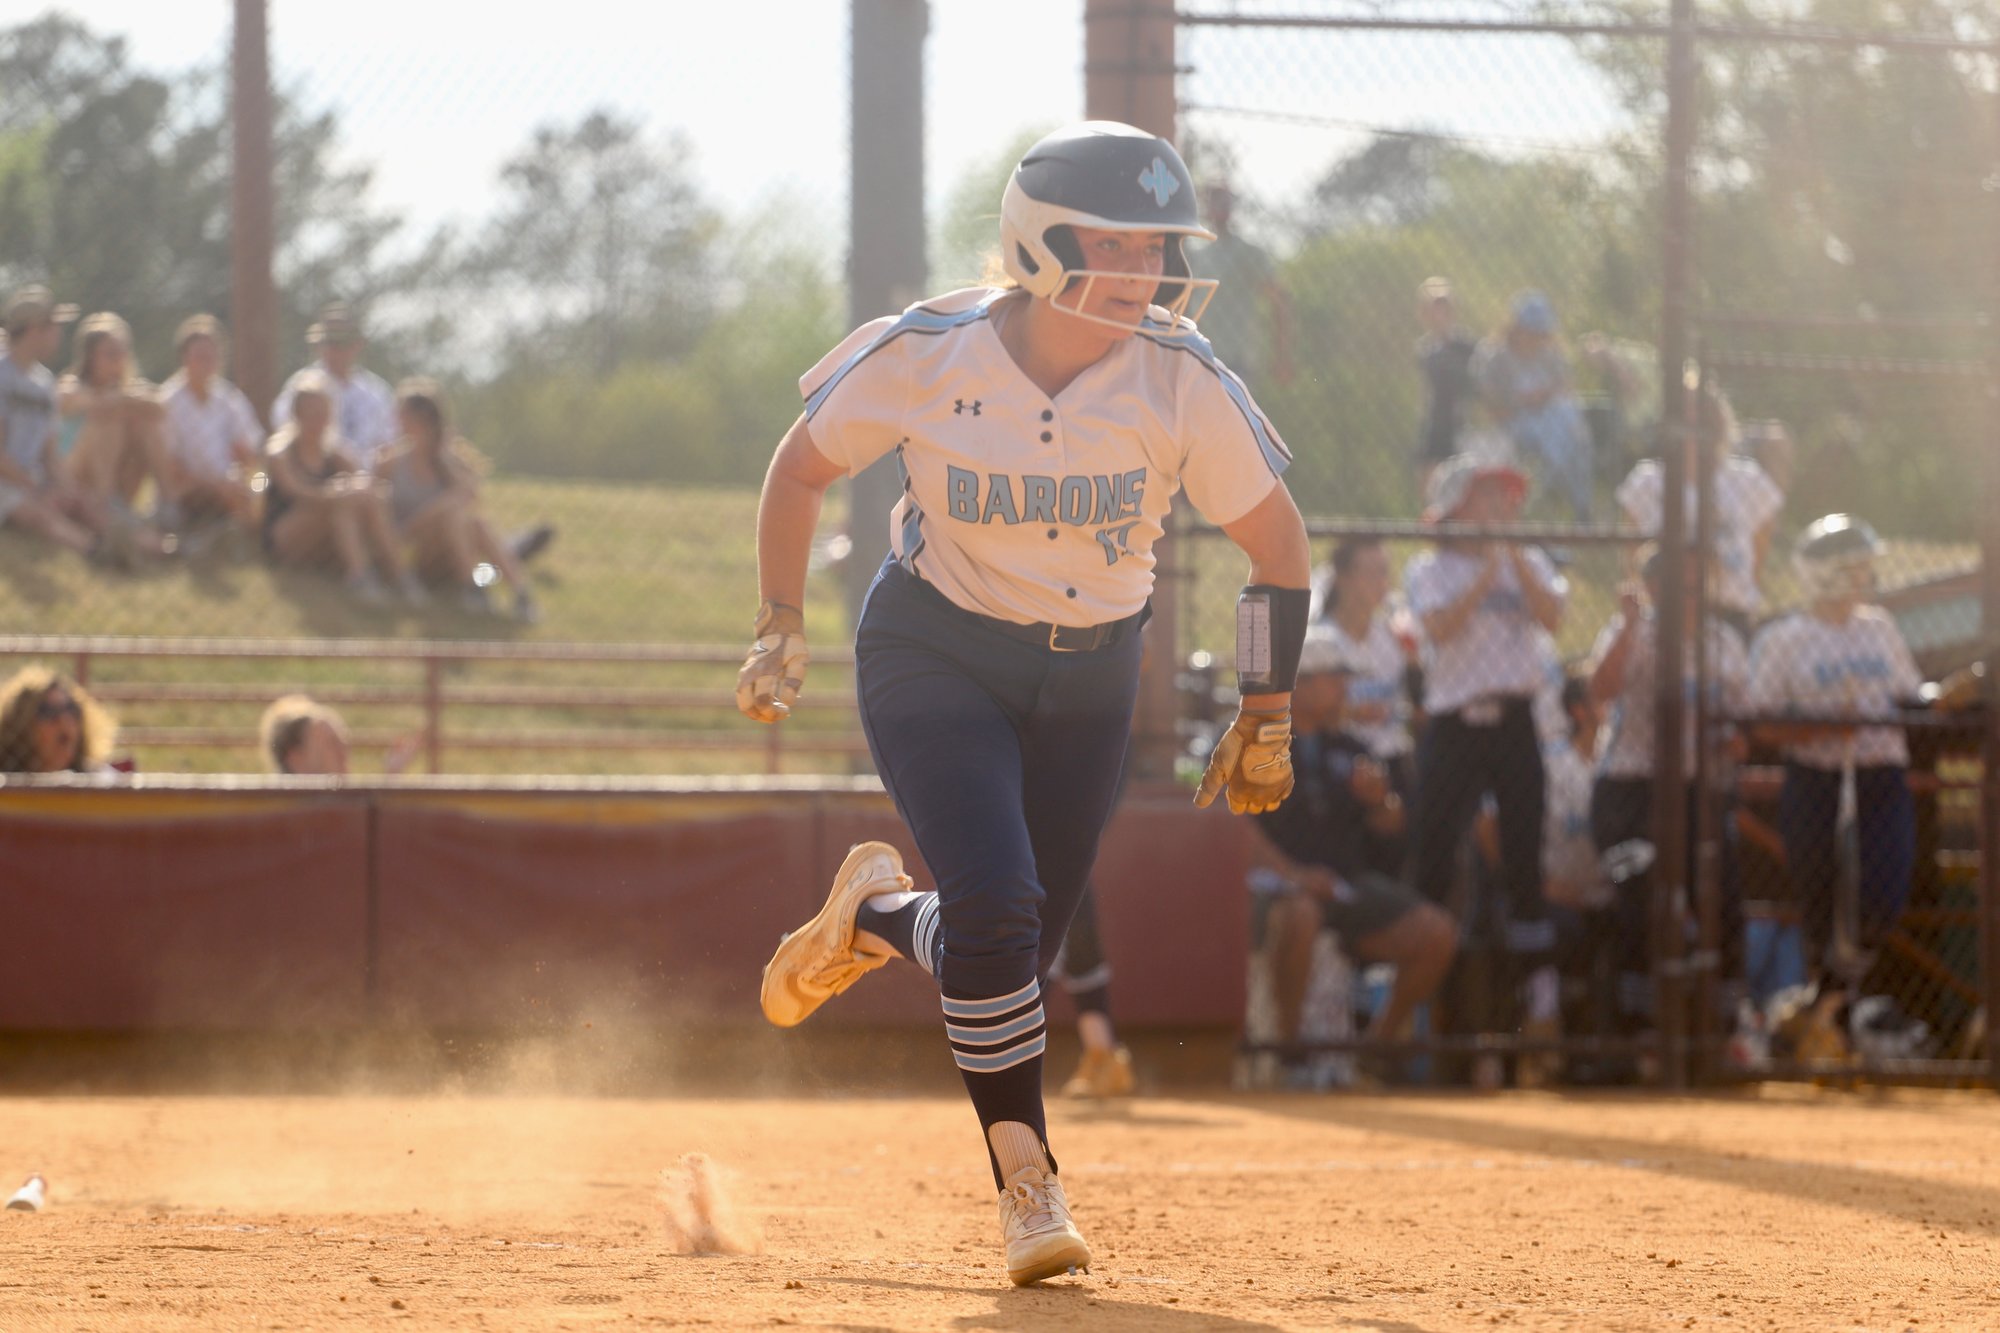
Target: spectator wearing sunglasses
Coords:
[[49, 724]]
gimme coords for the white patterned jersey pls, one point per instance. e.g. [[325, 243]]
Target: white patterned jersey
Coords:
[[1860, 668], [1025, 507]]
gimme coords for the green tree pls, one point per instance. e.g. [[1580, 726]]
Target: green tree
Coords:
[[114, 188], [603, 242]]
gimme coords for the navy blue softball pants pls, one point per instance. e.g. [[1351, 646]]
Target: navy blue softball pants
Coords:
[[1885, 828], [1003, 759]]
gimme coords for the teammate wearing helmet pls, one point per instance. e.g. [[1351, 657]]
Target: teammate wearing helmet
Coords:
[[1839, 658], [1040, 430]]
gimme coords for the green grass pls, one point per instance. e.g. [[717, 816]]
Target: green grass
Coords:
[[631, 564]]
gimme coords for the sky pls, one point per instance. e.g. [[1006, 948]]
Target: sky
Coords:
[[435, 102]]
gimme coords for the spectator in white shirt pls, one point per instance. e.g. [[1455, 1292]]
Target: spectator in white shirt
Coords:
[[1841, 664], [111, 436], [364, 411], [1747, 503], [1484, 606], [1353, 603], [213, 438]]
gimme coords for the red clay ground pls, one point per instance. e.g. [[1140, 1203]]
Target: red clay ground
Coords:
[[1792, 1210]]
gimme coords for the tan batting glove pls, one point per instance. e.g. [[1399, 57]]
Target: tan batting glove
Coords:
[[1253, 760], [768, 685]]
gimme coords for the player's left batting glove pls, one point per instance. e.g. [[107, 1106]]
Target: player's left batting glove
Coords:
[[1253, 761], [768, 685]]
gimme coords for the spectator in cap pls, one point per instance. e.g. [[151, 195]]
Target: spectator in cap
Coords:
[[1445, 355], [112, 435], [364, 411], [1485, 607], [1320, 861], [33, 495], [1524, 377], [213, 438]]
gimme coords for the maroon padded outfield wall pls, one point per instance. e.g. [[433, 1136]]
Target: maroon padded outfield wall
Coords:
[[161, 908]]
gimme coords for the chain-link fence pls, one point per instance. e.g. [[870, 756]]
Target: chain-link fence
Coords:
[[614, 339], [1454, 247]]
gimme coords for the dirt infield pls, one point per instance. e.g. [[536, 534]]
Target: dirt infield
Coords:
[[1791, 1210]]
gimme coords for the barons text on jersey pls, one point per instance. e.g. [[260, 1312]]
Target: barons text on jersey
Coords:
[[1107, 502], [1027, 506]]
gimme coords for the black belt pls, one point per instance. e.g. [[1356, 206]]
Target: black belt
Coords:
[[1042, 634]]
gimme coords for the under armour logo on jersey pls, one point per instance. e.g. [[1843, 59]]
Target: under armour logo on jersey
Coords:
[[1163, 184], [959, 406]]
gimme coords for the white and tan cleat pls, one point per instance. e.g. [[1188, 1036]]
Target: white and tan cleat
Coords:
[[818, 960], [1035, 1223]]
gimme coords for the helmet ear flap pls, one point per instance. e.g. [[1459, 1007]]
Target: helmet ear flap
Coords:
[[1176, 266], [1061, 242]]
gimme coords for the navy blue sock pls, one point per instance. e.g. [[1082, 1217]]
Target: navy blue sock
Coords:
[[911, 928], [998, 1044]]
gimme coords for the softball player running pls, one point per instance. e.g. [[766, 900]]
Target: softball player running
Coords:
[[1040, 429]]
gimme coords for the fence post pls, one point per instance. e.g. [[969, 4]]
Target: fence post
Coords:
[[1670, 877], [1128, 75], [434, 714], [82, 672], [1989, 634]]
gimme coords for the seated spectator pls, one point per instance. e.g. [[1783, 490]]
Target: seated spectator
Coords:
[[1746, 509], [1842, 662], [50, 724], [212, 433], [35, 496], [433, 480], [322, 509], [113, 429], [1353, 597], [364, 413], [1321, 851], [1524, 378]]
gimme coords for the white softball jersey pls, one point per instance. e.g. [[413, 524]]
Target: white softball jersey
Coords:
[[1029, 508], [1375, 688], [1862, 668], [1499, 653], [1745, 500], [1632, 748]]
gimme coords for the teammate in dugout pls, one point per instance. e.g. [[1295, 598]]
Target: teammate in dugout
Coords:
[[1839, 658], [1040, 429]]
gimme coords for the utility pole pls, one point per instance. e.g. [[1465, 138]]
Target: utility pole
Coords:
[[253, 293], [886, 268], [1128, 75]]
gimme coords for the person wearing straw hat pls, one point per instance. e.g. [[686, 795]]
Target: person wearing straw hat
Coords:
[[1484, 606]]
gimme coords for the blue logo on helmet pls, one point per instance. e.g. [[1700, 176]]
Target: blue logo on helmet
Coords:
[[1163, 183]]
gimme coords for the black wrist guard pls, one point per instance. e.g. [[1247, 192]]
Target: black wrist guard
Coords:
[[1270, 630]]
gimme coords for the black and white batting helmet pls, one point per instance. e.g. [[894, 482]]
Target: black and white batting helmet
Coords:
[[1108, 176], [1835, 557]]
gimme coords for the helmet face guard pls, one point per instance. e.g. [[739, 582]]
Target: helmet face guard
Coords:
[[1108, 177]]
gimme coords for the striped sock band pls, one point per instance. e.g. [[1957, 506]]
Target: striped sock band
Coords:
[[926, 941], [988, 1036]]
